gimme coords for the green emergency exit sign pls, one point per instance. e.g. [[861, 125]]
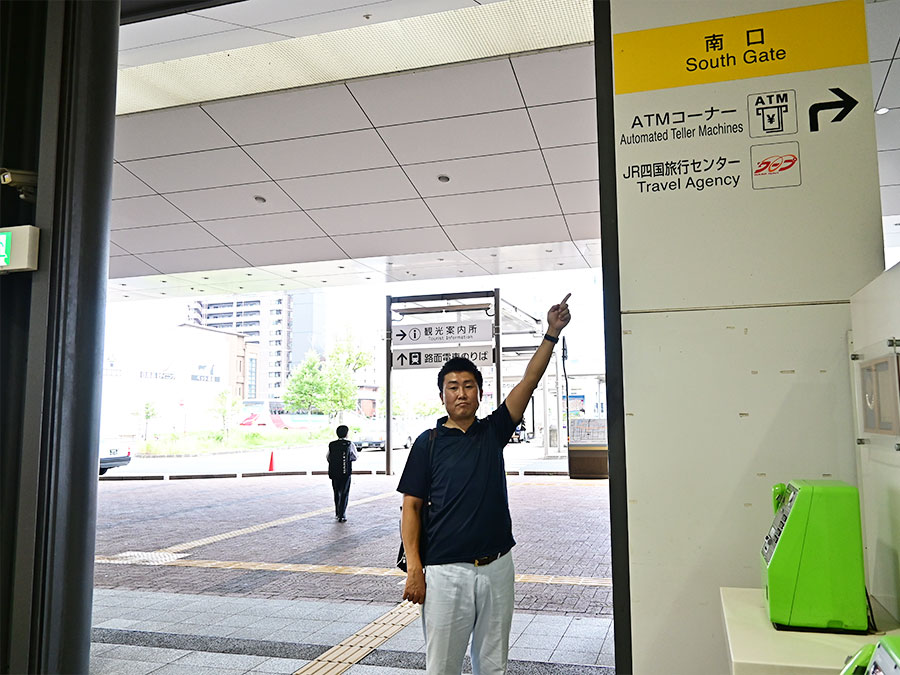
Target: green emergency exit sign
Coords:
[[5, 248], [19, 249]]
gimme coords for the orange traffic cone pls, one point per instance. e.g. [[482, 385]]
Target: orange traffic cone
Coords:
[[272, 461]]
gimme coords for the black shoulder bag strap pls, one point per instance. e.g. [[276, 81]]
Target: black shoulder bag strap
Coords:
[[401, 555]]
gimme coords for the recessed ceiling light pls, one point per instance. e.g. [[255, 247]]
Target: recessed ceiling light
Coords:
[[260, 199], [882, 111], [444, 178]]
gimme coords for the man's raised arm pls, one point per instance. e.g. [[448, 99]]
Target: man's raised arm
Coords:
[[557, 318]]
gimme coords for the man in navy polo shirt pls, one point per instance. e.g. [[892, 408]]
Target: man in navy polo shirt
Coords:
[[465, 555]]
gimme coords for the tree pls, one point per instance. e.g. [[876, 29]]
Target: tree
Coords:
[[225, 407], [149, 412], [306, 388], [340, 381]]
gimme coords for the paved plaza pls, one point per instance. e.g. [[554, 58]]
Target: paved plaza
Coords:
[[236, 575]]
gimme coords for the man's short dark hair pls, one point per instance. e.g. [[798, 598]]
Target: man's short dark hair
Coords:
[[460, 364], [342, 431]]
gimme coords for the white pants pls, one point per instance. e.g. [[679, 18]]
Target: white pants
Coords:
[[463, 600]]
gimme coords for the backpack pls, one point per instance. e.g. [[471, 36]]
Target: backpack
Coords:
[[339, 458]]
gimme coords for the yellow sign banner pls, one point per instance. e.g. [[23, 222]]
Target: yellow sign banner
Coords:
[[827, 35]]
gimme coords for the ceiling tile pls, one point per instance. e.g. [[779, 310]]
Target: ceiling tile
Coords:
[[320, 268], [239, 200], [221, 277], [349, 151], [128, 266], [166, 29], [487, 134], [268, 227], [263, 286], [310, 111], [555, 76], [887, 130], [388, 216], [573, 163], [287, 252], [498, 205], [197, 170], [883, 29], [394, 264], [457, 270], [116, 250], [879, 74], [423, 240], [565, 123], [229, 39], [890, 200], [579, 197], [434, 93], [164, 238], [352, 187], [889, 167], [545, 264], [508, 232], [259, 12], [355, 16], [890, 96], [520, 253], [494, 172], [584, 225], [125, 184], [151, 283], [194, 260], [143, 212], [167, 132]]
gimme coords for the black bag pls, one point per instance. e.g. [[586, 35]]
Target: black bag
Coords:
[[339, 459], [401, 554]]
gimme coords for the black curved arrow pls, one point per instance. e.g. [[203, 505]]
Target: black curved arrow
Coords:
[[846, 104]]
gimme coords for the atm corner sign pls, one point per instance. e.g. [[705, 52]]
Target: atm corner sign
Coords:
[[19, 249], [797, 39]]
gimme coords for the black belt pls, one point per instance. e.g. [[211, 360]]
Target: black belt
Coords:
[[488, 559]]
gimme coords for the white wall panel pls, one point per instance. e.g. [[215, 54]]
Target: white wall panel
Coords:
[[720, 405]]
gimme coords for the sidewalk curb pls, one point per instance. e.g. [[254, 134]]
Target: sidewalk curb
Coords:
[[261, 474]]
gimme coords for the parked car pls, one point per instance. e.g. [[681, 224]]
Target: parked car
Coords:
[[370, 433], [114, 452]]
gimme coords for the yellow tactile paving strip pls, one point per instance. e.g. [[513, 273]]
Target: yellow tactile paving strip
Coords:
[[362, 643], [178, 548], [369, 571]]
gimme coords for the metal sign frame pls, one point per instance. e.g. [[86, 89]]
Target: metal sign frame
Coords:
[[439, 297]]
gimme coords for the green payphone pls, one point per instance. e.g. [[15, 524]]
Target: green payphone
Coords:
[[879, 659], [812, 558]]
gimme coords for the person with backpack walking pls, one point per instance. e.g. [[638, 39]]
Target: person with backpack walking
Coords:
[[341, 454]]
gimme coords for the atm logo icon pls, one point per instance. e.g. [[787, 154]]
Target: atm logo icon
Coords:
[[772, 113]]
